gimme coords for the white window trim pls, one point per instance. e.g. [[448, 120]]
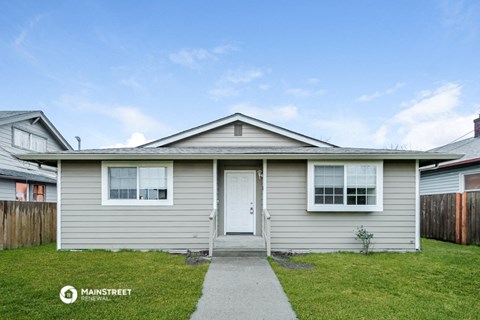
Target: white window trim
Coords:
[[311, 206], [462, 180], [136, 202]]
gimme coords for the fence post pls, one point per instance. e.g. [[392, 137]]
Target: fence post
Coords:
[[2, 225], [464, 218], [458, 217]]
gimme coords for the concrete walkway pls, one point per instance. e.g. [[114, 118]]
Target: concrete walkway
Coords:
[[242, 288]]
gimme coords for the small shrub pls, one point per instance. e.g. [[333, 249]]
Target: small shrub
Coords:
[[366, 237]]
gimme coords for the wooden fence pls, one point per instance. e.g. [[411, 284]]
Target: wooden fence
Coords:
[[24, 224], [453, 217]]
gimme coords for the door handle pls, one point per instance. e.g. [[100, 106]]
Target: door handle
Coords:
[[251, 210]]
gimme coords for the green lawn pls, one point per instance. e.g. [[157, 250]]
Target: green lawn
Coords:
[[442, 282], [163, 286]]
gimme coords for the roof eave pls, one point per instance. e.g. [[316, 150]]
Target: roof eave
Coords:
[[425, 159]]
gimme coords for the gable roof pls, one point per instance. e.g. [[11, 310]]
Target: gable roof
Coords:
[[233, 118], [7, 117], [469, 147]]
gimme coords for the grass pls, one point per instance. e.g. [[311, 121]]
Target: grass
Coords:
[[442, 282], [163, 286]]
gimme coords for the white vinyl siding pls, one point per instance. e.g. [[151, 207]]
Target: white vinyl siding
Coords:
[[251, 137], [86, 224], [294, 228]]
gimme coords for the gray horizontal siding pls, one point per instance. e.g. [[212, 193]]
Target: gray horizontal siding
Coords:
[[293, 228], [51, 193], [444, 181], [252, 137], [8, 161], [7, 189], [86, 224]]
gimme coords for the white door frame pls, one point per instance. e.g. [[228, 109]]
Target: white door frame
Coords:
[[254, 173]]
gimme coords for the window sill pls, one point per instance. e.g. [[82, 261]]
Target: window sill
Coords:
[[344, 208], [137, 202]]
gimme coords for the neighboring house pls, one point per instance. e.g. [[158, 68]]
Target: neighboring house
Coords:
[[26, 132], [238, 176], [457, 175]]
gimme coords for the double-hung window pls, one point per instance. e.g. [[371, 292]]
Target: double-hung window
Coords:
[[130, 183], [345, 186]]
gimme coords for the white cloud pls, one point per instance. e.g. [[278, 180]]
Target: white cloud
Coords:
[[430, 120], [264, 87], [135, 140], [301, 92], [278, 113], [242, 75], [131, 82], [223, 92], [377, 94], [193, 58], [430, 105], [131, 119], [348, 132]]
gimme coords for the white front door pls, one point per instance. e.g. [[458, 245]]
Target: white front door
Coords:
[[240, 201]]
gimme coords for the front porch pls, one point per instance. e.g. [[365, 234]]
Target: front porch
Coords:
[[239, 245], [240, 221]]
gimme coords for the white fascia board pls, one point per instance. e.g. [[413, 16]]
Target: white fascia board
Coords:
[[231, 119], [218, 156]]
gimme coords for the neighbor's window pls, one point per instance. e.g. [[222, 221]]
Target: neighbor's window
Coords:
[[29, 141], [472, 182], [21, 191], [29, 192], [38, 192], [137, 184], [345, 186]]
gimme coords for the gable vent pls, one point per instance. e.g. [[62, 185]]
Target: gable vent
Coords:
[[237, 130]]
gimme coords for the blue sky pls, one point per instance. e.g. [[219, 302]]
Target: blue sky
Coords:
[[353, 73]]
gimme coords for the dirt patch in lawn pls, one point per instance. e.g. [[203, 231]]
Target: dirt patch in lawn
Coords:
[[197, 258], [284, 259]]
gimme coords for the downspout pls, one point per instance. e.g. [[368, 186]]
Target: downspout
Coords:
[[59, 204], [417, 205]]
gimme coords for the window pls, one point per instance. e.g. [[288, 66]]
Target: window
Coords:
[[345, 186], [472, 182], [21, 191], [38, 193], [130, 183], [29, 192], [29, 141]]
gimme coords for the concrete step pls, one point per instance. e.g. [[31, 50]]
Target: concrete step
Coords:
[[239, 252]]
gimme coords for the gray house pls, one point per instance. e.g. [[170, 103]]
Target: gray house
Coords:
[[26, 132], [238, 183], [458, 175]]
